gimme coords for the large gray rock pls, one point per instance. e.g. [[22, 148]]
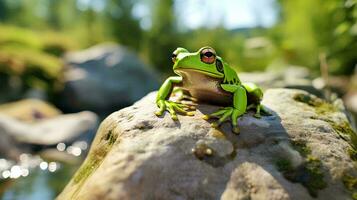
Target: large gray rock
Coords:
[[104, 78], [304, 151], [295, 77]]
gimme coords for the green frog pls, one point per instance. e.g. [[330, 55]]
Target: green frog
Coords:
[[206, 77]]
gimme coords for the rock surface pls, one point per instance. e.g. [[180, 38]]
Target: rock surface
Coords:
[[105, 78], [63, 128], [304, 151]]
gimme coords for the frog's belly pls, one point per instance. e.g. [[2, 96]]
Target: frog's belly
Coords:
[[210, 95], [205, 88]]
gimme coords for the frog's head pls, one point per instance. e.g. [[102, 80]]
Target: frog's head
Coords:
[[203, 61]]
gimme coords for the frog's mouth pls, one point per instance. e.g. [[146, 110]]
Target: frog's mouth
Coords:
[[182, 71]]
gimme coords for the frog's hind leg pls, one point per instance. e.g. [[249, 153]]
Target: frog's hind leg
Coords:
[[255, 96]]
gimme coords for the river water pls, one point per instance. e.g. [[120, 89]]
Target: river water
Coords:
[[38, 177]]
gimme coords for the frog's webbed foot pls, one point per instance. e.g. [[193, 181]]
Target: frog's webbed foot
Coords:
[[257, 113], [223, 115], [260, 109], [186, 97], [265, 110], [189, 102], [183, 95], [172, 107]]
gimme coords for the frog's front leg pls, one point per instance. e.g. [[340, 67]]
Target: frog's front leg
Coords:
[[238, 108], [163, 95]]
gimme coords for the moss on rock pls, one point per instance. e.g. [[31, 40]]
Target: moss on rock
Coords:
[[321, 106], [324, 110], [350, 182], [342, 128], [95, 158], [309, 173], [301, 147]]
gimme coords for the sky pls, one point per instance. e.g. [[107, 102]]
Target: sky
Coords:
[[231, 13], [193, 14]]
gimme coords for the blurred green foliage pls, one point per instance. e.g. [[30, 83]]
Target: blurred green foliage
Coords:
[[32, 60], [162, 39], [304, 30], [309, 28], [88, 25], [122, 24]]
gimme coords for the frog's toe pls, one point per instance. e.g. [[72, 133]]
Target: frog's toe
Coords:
[[257, 115], [162, 108], [192, 107], [187, 106], [190, 113], [206, 117], [158, 113], [181, 109], [193, 99], [214, 125], [236, 129], [174, 117], [187, 97]]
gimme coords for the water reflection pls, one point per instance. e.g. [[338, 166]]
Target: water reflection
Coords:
[[52, 166], [43, 165], [38, 185], [42, 178], [61, 146]]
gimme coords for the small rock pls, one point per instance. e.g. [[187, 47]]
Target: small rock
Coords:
[[29, 110], [63, 128]]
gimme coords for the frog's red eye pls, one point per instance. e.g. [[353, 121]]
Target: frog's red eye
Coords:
[[208, 55]]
